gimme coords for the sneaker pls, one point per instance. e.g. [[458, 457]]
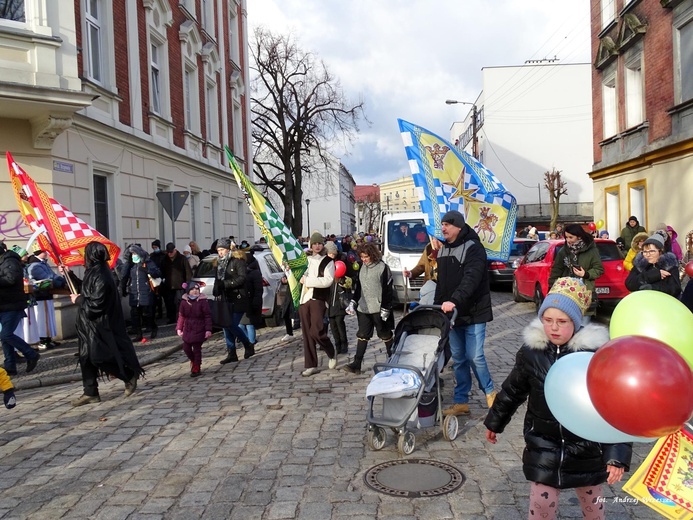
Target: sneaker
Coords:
[[286, 337], [86, 399], [130, 386], [309, 372], [137, 339], [44, 346], [352, 368], [144, 340], [31, 363], [490, 398], [231, 357], [332, 363], [457, 409], [53, 344]]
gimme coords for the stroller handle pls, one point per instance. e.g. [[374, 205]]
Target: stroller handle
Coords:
[[437, 308]]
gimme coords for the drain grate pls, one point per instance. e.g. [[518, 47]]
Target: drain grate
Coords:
[[414, 478]]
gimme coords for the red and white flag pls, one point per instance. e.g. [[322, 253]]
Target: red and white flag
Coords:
[[60, 232]]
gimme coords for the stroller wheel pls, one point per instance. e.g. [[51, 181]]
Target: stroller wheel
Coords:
[[406, 443], [376, 438], [450, 428]]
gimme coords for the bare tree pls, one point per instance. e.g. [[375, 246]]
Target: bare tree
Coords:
[[369, 206], [298, 109], [556, 188]]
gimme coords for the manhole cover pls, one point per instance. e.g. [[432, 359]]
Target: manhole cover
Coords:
[[414, 478]]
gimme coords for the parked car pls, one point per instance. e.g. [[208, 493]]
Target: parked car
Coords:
[[502, 272], [274, 293], [531, 278]]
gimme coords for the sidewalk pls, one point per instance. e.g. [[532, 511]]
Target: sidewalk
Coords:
[[59, 365]]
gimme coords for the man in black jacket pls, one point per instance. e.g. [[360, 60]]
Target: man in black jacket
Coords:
[[176, 272], [13, 301], [463, 284]]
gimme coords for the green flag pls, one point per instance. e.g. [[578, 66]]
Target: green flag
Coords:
[[286, 249]]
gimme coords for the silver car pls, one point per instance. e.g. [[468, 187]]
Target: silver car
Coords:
[[274, 292]]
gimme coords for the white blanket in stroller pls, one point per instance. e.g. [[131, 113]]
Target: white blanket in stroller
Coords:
[[394, 383]]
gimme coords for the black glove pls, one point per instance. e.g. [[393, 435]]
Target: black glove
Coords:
[[8, 397]]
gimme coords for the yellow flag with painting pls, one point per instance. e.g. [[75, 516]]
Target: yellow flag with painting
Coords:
[[450, 179], [286, 249]]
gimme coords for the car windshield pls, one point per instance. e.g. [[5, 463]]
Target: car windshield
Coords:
[[521, 248], [207, 267], [407, 236]]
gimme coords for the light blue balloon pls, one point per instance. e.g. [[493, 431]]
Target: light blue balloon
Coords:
[[566, 394]]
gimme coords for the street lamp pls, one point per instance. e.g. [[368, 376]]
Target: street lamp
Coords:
[[475, 128], [308, 213]]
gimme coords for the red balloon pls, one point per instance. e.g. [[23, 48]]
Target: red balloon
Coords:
[[689, 268], [339, 269], [641, 386], [592, 226]]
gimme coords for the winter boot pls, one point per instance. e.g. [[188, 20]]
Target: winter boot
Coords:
[[195, 371], [231, 357], [249, 350], [355, 366]]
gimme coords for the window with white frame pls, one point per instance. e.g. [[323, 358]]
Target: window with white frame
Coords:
[[208, 17], [102, 214], [637, 201], [211, 113], [684, 56], [159, 19], [608, 12], [234, 33], [155, 78], [93, 21], [191, 100], [635, 98], [609, 104], [13, 10], [237, 129]]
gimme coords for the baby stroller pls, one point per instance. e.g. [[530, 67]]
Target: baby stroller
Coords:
[[410, 380]]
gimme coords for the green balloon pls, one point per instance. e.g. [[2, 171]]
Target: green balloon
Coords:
[[657, 315]]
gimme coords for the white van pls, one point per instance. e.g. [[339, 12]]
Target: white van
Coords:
[[402, 250]]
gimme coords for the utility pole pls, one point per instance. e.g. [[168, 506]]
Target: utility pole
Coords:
[[475, 141], [475, 125]]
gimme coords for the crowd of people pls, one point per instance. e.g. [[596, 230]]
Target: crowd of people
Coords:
[[348, 277]]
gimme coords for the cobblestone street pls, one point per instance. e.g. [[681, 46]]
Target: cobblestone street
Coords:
[[252, 440]]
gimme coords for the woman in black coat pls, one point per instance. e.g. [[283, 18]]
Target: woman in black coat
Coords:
[[104, 346], [253, 316], [655, 270], [229, 287], [135, 273], [554, 458]]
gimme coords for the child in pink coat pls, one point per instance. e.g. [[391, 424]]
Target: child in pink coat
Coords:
[[194, 325]]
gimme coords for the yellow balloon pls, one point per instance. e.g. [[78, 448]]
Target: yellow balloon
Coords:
[[657, 315], [600, 224]]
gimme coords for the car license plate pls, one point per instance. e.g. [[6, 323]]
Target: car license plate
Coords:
[[602, 290]]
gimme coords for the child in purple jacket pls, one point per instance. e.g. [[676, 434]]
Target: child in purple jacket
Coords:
[[194, 325]]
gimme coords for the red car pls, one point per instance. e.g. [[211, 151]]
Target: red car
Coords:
[[531, 277]]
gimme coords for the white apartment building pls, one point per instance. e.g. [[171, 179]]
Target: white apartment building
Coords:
[[532, 118]]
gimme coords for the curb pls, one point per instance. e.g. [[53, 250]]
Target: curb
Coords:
[[39, 382]]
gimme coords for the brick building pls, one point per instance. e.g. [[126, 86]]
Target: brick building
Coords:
[[642, 89], [107, 102]]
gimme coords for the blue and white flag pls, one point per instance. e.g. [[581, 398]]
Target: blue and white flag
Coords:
[[450, 179]]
